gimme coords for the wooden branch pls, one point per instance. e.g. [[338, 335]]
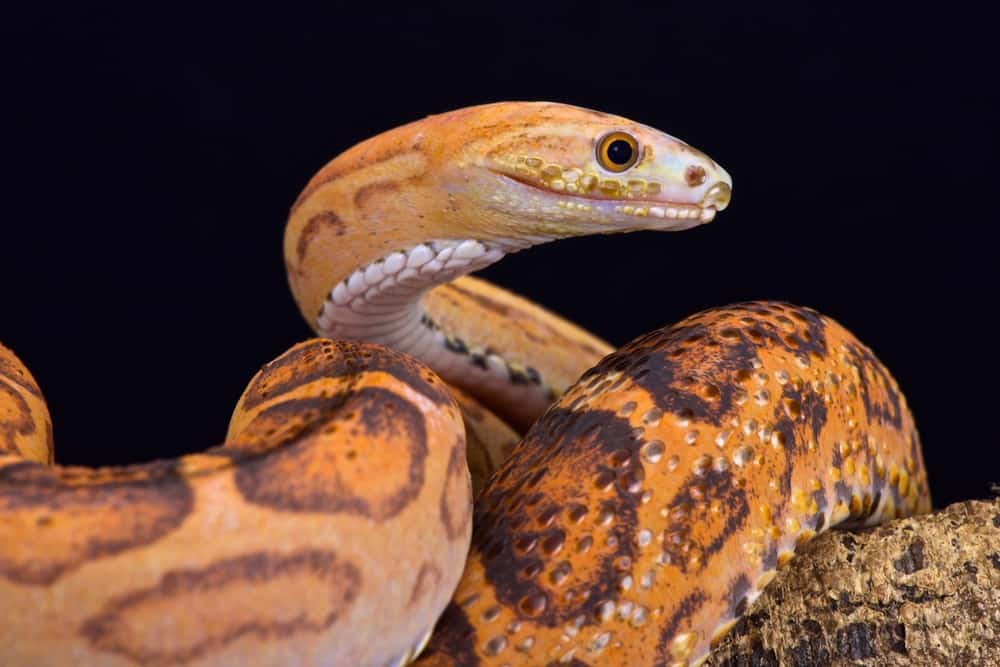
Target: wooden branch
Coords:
[[919, 591]]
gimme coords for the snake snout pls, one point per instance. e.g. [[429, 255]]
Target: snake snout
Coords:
[[718, 196]]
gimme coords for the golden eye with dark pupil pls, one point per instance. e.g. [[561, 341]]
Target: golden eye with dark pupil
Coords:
[[617, 151]]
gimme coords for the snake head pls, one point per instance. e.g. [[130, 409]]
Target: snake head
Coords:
[[557, 170]]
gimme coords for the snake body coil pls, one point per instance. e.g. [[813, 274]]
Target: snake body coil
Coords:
[[270, 550], [646, 510], [632, 524]]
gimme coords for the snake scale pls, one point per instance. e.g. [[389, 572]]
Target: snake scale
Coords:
[[654, 493]]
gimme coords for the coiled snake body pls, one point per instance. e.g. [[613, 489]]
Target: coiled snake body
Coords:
[[632, 524]]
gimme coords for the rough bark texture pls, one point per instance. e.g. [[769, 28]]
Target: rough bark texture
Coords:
[[920, 591]]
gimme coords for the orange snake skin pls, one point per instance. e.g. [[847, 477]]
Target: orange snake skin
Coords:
[[653, 496]]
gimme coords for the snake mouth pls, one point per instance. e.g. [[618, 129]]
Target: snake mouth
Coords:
[[635, 207], [667, 211]]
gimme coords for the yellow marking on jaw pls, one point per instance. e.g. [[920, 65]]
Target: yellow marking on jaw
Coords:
[[575, 179], [647, 155], [580, 206], [609, 186]]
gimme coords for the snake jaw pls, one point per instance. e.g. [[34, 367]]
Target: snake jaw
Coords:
[[557, 181], [565, 214]]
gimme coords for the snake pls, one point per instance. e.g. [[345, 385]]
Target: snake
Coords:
[[449, 473]]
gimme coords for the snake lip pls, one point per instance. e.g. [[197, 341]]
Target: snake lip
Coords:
[[662, 209]]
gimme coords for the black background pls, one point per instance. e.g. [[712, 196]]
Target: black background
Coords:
[[149, 160]]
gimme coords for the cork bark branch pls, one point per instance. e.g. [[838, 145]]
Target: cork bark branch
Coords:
[[919, 591]]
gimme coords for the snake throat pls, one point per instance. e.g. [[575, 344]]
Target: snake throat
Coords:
[[382, 302]]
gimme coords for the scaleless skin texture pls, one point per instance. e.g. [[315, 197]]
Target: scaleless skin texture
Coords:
[[279, 548], [631, 525]]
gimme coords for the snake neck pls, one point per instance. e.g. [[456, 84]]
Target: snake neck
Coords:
[[377, 236], [385, 301]]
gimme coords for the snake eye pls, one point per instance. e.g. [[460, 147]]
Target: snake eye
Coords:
[[617, 151]]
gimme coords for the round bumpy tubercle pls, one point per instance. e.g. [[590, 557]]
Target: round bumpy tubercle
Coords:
[[648, 508]]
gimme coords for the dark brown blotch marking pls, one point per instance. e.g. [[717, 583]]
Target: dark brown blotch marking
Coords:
[[366, 192], [12, 370], [586, 439], [454, 637], [812, 411], [428, 578], [841, 492], [685, 609], [478, 359], [50, 444], [769, 559], [737, 596], [15, 419], [524, 375], [315, 225], [320, 358], [456, 345], [113, 630], [810, 416], [366, 154], [719, 527], [818, 519], [297, 476], [888, 411], [428, 322], [456, 496], [282, 424], [809, 336], [100, 513], [664, 361]]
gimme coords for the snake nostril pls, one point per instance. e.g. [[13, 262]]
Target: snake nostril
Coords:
[[694, 175], [718, 196]]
